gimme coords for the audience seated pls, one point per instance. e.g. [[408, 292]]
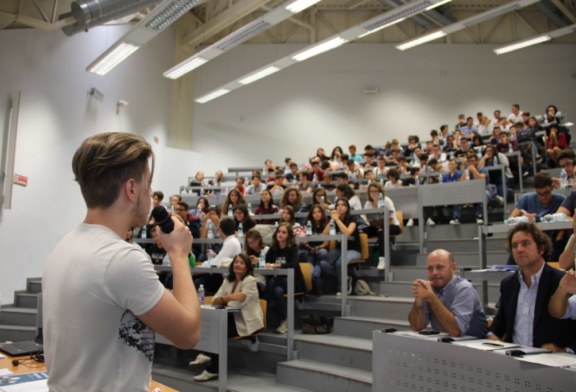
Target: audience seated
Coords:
[[266, 207], [233, 199], [317, 223]]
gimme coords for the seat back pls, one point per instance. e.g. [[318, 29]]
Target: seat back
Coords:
[[400, 217], [306, 269]]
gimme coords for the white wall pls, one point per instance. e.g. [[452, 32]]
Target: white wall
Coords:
[[56, 114], [320, 101]]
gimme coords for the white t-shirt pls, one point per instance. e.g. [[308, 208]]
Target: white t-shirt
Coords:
[[94, 286]]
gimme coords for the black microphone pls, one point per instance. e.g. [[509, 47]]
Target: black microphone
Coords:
[[163, 219]]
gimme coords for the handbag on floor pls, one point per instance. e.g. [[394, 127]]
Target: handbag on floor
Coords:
[[316, 325]]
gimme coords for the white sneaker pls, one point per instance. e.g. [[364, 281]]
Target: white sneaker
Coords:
[[201, 359], [410, 222], [430, 222], [206, 376], [499, 200], [283, 327], [479, 221], [381, 263], [454, 222]]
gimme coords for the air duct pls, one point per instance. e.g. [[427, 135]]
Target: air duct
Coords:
[[92, 13]]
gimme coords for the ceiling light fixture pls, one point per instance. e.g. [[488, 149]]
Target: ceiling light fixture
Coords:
[[165, 13], [259, 75], [325, 46], [536, 40], [467, 22], [300, 5], [213, 95]]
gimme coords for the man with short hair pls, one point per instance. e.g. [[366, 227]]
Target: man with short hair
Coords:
[[523, 316], [353, 156], [516, 115], [566, 161], [534, 205], [255, 186], [446, 301], [102, 299]]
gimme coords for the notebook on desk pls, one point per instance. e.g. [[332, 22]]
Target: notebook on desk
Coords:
[[21, 348]]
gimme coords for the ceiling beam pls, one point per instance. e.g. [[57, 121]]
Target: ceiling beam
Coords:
[[564, 10], [221, 21]]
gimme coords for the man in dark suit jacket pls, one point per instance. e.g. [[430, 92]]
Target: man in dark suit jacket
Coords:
[[523, 316]]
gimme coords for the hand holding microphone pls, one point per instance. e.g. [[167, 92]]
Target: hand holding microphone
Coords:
[[175, 237]]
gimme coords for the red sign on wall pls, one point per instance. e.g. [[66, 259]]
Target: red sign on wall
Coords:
[[20, 180]]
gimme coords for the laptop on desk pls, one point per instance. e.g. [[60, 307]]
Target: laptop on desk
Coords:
[[18, 349]]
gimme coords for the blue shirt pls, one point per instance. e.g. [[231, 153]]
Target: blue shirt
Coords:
[[524, 319], [530, 203], [461, 298], [571, 310], [447, 177]]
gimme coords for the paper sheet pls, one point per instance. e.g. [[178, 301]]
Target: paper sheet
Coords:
[[552, 359]]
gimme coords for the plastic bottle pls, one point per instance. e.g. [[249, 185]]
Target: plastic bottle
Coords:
[[210, 230], [332, 228], [380, 200], [563, 179], [240, 231], [201, 294], [249, 208], [262, 260], [143, 232], [230, 212], [309, 228]]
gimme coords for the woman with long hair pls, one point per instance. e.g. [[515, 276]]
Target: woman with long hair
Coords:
[[315, 251], [238, 290], [233, 199], [348, 225], [282, 254], [266, 207], [242, 217]]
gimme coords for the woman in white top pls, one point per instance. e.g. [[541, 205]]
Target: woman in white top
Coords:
[[238, 290]]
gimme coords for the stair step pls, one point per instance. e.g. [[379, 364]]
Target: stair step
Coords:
[[15, 333], [322, 377], [34, 285], [362, 327], [18, 316], [339, 350], [396, 308], [24, 299]]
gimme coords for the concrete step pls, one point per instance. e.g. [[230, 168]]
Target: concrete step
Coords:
[[408, 273], [16, 333], [395, 308], [24, 299], [362, 327], [34, 285], [18, 316], [341, 350], [321, 377]]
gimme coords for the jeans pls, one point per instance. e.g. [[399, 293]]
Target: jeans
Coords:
[[314, 259], [331, 266], [275, 289]]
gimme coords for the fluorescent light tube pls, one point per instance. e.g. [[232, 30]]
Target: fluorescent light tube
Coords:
[[437, 5], [522, 44], [381, 27], [421, 40], [321, 48], [299, 5], [185, 67], [213, 95], [105, 63], [259, 75]]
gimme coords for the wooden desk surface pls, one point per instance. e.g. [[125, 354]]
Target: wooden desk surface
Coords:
[[30, 367]]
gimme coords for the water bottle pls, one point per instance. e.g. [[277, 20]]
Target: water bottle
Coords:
[[380, 200], [143, 232], [275, 225], [249, 208], [563, 179], [240, 231], [210, 230], [230, 212], [201, 294], [262, 260], [332, 228], [309, 228], [315, 179]]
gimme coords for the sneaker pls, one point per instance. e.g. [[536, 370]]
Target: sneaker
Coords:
[[480, 221], [349, 286], [525, 174], [206, 376], [499, 200], [454, 222], [283, 327], [201, 359], [410, 222], [338, 294], [381, 263], [430, 222]]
